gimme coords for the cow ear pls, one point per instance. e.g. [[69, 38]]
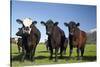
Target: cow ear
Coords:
[[42, 22], [34, 22], [19, 21], [78, 24], [56, 23], [66, 24]]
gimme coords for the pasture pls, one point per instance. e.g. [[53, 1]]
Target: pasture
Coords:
[[42, 56]]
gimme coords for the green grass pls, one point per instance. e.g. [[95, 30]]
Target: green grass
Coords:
[[42, 56]]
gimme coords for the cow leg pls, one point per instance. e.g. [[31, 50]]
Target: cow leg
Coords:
[[33, 55], [78, 51], [51, 53], [61, 51], [64, 50], [71, 50], [23, 54], [19, 48], [56, 52], [82, 51]]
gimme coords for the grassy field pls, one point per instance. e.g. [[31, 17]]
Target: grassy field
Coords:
[[42, 56]]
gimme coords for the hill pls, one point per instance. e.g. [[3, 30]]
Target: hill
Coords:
[[91, 36]]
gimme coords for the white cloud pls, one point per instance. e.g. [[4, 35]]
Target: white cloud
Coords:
[[92, 30]]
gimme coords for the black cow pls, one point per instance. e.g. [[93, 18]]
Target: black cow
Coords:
[[46, 44], [65, 45], [19, 44], [56, 37], [77, 38], [30, 38]]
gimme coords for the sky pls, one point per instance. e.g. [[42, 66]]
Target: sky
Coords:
[[40, 11]]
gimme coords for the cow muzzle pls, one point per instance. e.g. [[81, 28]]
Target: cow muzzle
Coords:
[[27, 30]]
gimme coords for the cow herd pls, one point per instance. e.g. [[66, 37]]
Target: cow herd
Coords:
[[30, 37]]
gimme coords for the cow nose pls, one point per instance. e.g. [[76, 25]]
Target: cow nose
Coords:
[[27, 28]]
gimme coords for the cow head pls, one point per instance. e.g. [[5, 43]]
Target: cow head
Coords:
[[72, 26], [49, 26], [26, 23], [20, 32]]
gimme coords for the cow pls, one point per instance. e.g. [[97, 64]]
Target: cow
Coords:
[[77, 38], [56, 37], [19, 44], [30, 37], [65, 45], [46, 44]]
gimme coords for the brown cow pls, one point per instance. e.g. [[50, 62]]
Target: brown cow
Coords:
[[77, 38]]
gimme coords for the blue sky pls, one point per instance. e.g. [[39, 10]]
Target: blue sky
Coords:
[[39, 11]]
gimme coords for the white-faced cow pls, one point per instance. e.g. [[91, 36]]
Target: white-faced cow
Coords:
[[30, 37], [56, 37], [77, 38]]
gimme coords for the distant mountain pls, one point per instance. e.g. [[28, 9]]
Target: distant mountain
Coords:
[[91, 36]]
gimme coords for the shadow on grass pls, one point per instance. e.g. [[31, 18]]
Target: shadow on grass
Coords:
[[85, 58], [41, 57], [89, 58], [15, 53], [16, 58], [49, 52], [43, 51]]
